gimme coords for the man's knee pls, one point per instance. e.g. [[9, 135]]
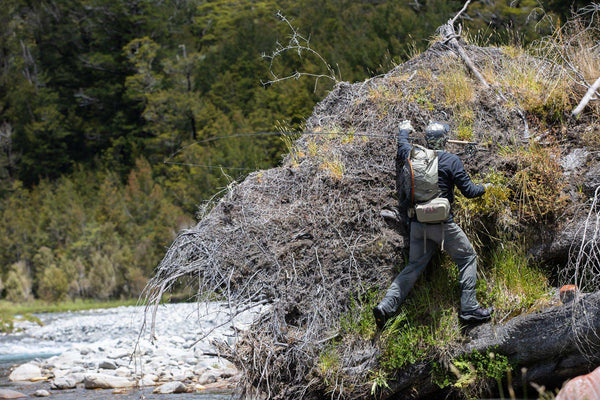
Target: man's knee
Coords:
[[464, 260]]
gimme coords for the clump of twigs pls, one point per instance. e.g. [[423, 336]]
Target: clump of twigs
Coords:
[[583, 268]]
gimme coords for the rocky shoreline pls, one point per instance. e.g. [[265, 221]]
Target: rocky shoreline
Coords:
[[108, 349]]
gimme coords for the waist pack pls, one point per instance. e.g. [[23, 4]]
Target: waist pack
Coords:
[[433, 211], [421, 187]]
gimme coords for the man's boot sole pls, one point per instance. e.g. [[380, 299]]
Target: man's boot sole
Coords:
[[472, 318], [379, 318]]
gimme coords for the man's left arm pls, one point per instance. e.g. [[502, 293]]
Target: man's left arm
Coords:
[[463, 182]]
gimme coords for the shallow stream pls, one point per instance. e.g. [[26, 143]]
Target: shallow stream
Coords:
[[111, 330]]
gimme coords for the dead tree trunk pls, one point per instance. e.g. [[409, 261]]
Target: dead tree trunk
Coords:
[[552, 345]]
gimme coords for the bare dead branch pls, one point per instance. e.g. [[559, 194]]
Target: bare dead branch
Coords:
[[299, 45], [592, 91], [453, 20]]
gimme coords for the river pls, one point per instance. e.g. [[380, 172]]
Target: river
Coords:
[[72, 343]]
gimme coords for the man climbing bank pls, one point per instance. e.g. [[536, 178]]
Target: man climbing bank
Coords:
[[429, 177]]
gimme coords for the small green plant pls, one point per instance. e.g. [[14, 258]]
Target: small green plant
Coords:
[[492, 210], [357, 323], [359, 319], [405, 344], [379, 381], [348, 137], [289, 140], [464, 131], [423, 98], [6, 323], [538, 91], [329, 366], [457, 86], [7, 320], [313, 147], [471, 373]]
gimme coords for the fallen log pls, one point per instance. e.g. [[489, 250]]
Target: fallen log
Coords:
[[547, 347]]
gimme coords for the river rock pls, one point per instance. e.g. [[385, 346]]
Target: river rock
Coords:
[[84, 350], [148, 380], [108, 345], [69, 357], [107, 364], [178, 340], [225, 373], [104, 381], [119, 353], [181, 374], [63, 383], [207, 378], [170, 387], [41, 393], [78, 377], [123, 371], [152, 377], [10, 394], [60, 373], [26, 372]]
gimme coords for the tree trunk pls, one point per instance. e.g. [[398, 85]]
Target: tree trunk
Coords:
[[554, 344]]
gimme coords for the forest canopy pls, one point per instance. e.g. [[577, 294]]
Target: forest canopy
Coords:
[[109, 110]]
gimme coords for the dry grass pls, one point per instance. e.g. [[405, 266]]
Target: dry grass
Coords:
[[537, 86], [459, 92], [591, 135], [574, 47], [537, 184], [334, 167]]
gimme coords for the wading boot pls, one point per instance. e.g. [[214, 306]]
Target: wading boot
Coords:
[[477, 315], [380, 317]]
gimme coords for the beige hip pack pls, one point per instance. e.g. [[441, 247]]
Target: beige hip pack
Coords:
[[434, 211]]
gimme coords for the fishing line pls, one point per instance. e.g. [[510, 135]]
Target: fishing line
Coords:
[[254, 134]]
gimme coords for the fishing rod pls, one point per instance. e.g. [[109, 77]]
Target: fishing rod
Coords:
[[471, 148]]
